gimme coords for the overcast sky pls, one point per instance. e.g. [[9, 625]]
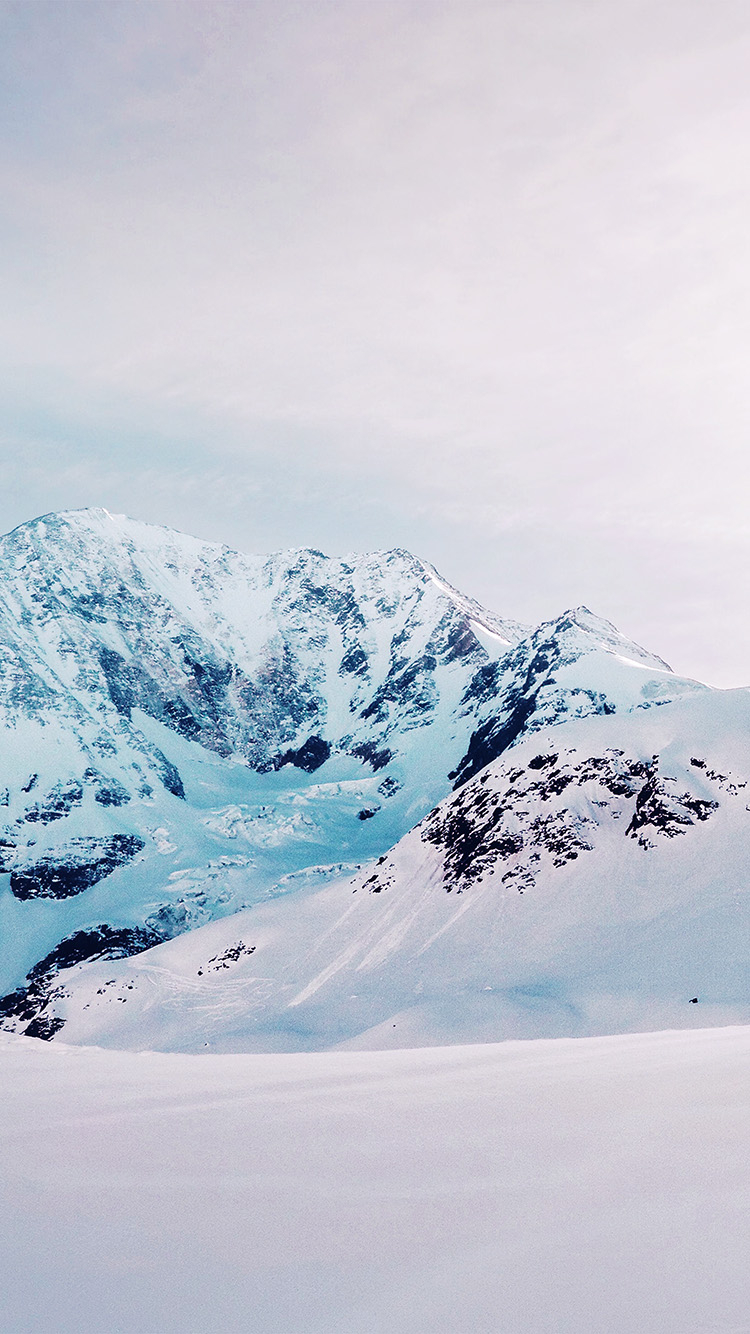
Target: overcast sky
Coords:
[[467, 277]]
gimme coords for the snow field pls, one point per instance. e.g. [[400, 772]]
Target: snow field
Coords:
[[546, 1187]]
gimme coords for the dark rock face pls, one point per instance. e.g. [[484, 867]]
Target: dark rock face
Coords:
[[354, 662], [169, 775], [28, 1002], [542, 761], [69, 871], [459, 643], [309, 757], [44, 1026], [482, 829], [492, 738], [484, 684], [108, 791], [659, 809], [197, 713], [410, 685], [7, 853], [99, 942], [57, 804], [368, 751], [232, 954], [123, 681]]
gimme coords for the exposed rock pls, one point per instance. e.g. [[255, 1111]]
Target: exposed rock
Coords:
[[661, 810], [82, 863], [26, 1004], [308, 757], [56, 804]]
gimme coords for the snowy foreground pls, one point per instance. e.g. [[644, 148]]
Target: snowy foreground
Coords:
[[591, 1186]]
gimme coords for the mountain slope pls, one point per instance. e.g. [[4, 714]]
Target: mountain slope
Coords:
[[594, 880]]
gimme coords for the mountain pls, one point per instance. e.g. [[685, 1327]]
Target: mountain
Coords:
[[593, 880], [182, 728], [186, 731]]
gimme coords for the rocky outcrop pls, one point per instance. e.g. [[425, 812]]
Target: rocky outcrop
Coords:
[[74, 867]]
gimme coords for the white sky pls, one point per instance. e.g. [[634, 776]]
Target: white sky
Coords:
[[471, 278]]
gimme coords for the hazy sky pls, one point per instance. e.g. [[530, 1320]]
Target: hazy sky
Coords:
[[468, 277]]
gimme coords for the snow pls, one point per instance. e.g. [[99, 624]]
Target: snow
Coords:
[[549, 1187]]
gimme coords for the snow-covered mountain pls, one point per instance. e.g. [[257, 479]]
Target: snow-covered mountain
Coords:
[[186, 731], [183, 728], [573, 887]]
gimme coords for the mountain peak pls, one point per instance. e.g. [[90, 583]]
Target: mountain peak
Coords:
[[602, 634]]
